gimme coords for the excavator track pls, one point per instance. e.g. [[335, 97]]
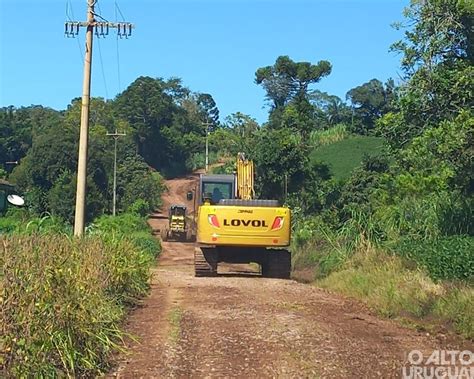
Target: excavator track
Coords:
[[277, 264], [205, 262]]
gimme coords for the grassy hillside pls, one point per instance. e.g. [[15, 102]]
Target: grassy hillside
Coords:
[[343, 156]]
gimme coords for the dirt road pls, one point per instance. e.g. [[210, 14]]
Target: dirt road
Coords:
[[241, 325]]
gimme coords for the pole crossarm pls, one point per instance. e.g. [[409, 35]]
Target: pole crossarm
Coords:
[[102, 28], [116, 134]]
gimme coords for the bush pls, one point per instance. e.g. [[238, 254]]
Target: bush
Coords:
[[42, 225], [129, 226], [123, 224], [447, 258], [317, 248], [144, 241], [139, 207], [8, 225], [198, 160], [229, 167]]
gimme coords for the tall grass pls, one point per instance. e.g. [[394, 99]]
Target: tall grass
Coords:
[[63, 299]]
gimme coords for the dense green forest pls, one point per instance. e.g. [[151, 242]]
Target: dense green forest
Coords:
[[162, 119], [380, 183]]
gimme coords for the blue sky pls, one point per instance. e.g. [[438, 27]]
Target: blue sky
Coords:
[[215, 46]]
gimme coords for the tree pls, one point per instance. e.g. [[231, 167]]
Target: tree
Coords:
[[280, 159], [18, 127], [236, 134], [137, 181], [241, 124], [164, 133], [371, 101], [438, 64], [437, 31], [208, 108], [330, 109], [287, 79], [286, 84]]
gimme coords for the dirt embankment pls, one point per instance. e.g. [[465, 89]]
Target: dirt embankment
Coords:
[[240, 325]]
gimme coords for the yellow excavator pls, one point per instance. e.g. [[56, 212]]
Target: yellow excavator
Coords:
[[234, 227]]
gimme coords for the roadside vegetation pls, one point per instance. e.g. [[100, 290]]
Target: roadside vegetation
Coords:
[[64, 299]]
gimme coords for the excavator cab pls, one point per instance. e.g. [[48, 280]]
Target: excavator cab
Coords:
[[214, 188]]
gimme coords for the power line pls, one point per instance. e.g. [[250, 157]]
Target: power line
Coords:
[[102, 69], [70, 7], [117, 51], [100, 10], [100, 53], [118, 8]]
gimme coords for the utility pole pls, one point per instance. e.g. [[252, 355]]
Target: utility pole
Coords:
[[115, 136], [207, 124], [101, 28]]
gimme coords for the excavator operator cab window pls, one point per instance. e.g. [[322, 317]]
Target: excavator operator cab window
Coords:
[[216, 191]]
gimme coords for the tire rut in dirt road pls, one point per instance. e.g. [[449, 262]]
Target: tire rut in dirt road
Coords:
[[247, 326]]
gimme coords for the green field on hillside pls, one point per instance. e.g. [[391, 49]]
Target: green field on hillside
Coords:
[[344, 156]]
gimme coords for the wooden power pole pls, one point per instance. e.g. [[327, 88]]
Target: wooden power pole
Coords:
[[101, 28], [115, 136], [207, 124]]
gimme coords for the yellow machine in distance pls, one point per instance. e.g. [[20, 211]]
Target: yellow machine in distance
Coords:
[[234, 227], [178, 226]]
